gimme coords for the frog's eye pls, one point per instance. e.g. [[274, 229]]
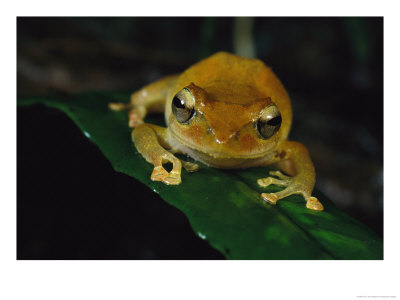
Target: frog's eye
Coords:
[[183, 106], [269, 122]]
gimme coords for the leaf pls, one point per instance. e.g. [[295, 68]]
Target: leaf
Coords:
[[224, 207]]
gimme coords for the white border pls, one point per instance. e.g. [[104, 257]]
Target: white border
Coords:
[[196, 279]]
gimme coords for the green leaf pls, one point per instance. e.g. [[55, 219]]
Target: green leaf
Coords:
[[224, 207]]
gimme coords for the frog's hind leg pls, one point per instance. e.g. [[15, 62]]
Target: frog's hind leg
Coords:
[[136, 112], [150, 98]]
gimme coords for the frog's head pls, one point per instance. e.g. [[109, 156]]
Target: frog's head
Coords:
[[225, 121]]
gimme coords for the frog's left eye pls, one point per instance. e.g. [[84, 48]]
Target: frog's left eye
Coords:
[[183, 106], [269, 122]]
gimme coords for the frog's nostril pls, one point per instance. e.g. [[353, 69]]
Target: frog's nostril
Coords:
[[221, 140], [224, 136]]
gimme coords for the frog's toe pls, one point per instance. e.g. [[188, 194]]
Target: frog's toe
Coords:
[[314, 204], [293, 185], [159, 173], [135, 123], [264, 182], [189, 166], [136, 117], [279, 175], [118, 106], [270, 198], [173, 178]]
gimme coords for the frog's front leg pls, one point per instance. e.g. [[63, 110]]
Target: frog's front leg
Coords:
[[295, 159], [147, 138], [150, 141]]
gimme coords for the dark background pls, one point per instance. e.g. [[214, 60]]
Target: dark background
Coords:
[[71, 204]]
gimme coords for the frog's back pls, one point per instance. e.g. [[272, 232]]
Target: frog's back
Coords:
[[234, 79], [236, 76]]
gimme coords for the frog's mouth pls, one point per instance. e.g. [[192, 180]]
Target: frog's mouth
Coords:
[[204, 153]]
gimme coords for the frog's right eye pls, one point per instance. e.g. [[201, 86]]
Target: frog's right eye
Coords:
[[269, 122], [183, 106]]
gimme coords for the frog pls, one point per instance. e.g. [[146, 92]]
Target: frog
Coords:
[[227, 112]]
